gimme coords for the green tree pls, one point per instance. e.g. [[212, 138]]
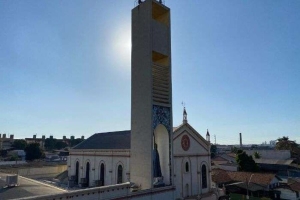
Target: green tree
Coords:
[[60, 145], [256, 155], [50, 143], [76, 141], [285, 144], [234, 150], [19, 144], [13, 158], [245, 162], [213, 150], [33, 151]]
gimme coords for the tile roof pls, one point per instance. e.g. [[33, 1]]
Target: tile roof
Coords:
[[294, 184], [258, 178], [222, 176], [108, 140]]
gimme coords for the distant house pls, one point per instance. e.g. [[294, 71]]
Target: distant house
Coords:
[[225, 161], [19, 153], [271, 154], [223, 148], [258, 184], [6, 143], [52, 158], [291, 190]]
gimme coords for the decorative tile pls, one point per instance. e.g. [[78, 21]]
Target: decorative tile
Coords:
[[161, 115]]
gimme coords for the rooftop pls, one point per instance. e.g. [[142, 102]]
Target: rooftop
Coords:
[[108, 140], [221, 176]]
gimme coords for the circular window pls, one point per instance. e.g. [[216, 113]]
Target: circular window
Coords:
[[185, 142]]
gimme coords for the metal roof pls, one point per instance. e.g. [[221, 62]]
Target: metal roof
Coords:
[[108, 140], [273, 161]]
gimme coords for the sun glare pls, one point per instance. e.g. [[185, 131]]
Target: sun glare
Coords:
[[122, 45]]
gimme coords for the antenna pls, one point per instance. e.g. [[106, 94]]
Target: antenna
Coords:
[[215, 139], [183, 104]]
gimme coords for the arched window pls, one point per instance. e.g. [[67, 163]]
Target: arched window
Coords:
[[204, 177], [187, 167], [77, 172], [87, 174], [120, 174], [102, 174]]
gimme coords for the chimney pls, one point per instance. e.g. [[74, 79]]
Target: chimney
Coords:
[[72, 137], [241, 144], [43, 137], [4, 135], [82, 137], [64, 137], [11, 137], [51, 137], [34, 136]]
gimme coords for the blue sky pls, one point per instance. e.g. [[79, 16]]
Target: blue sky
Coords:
[[65, 67]]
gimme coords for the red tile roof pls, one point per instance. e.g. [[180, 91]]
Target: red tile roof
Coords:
[[294, 184], [221, 176]]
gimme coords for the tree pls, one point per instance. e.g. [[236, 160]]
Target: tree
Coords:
[[76, 141], [19, 144], [33, 151], [234, 150], [50, 143], [245, 162], [213, 150], [256, 155], [60, 145], [285, 144]]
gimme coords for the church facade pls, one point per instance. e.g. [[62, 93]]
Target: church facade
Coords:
[[104, 159], [152, 155]]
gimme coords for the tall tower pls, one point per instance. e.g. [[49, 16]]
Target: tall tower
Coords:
[[151, 93], [241, 144]]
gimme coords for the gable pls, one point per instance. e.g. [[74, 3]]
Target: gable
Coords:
[[197, 144]]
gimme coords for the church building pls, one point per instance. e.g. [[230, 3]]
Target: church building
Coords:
[[152, 154], [104, 159]]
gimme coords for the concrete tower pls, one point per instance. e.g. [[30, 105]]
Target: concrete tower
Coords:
[[241, 143], [151, 93]]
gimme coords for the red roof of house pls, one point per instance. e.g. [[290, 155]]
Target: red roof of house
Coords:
[[221, 176]]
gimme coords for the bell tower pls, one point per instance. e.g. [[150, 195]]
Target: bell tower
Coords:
[[151, 93]]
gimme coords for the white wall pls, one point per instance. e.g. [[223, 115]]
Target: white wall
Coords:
[[194, 177], [287, 194], [110, 158]]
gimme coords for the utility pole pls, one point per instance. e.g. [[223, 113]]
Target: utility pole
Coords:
[[215, 140]]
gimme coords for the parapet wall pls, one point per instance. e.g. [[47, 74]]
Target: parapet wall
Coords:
[[112, 192]]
